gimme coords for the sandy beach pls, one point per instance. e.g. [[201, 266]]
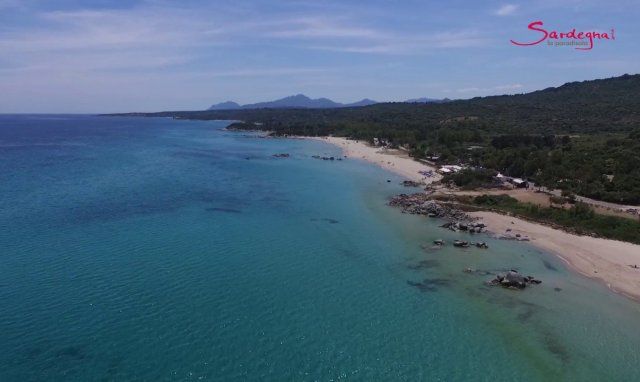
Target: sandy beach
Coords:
[[394, 160], [609, 261]]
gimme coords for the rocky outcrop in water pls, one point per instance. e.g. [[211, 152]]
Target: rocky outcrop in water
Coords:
[[482, 244], [461, 244], [325, 158], [421, 204], [464, 225], [513, 280]]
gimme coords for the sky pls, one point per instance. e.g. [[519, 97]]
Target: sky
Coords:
[[101, 56]]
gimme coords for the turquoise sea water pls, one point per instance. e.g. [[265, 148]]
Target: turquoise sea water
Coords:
[[158, 249]]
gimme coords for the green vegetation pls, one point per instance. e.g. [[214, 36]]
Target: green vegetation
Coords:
[[582, 137], [580, 218], [468, 178]]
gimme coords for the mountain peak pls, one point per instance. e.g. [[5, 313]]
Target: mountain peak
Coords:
[[228, 105], [301, 101], [362, 102], [293, 101]]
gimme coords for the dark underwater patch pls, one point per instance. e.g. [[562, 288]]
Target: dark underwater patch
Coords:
[[273, 199], [224, 209], [556, 347], [424, 264], [196, 154], [511, 302], [429, 285], [549, 266], [158, 202], [74, 352], [526, 315], [328, 220]]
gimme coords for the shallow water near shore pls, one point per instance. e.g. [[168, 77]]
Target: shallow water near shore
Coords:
[[159, 249]]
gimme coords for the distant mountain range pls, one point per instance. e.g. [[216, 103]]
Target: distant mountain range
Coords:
[[304, 102]]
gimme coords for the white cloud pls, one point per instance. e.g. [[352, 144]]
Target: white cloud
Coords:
[[315, 27], [261, 72], [106, 29], [506, 10], [141, 55], [168, 29], [409, 44]]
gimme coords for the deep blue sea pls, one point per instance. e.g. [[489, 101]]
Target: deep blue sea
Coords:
[[149, 249]]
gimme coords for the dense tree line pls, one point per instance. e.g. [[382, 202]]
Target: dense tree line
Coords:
[[583, 137]]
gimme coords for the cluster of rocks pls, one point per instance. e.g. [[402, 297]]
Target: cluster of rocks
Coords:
[[461, 244], [508, 235], [325, 158], [468, 226], [466, 244], [421, 204], [411, 183], [514, 280]]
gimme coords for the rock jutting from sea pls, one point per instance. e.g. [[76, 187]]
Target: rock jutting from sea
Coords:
[[513, 279], [422, 204]]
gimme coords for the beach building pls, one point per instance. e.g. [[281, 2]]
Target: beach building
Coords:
[[449, 169], [519, 182]]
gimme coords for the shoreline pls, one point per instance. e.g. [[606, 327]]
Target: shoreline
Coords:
[[603, 260], [392, 160]]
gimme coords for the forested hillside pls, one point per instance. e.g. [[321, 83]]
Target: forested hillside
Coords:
[[583, 137]]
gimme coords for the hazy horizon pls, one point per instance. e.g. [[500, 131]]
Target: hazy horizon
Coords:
[[118, 56]]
